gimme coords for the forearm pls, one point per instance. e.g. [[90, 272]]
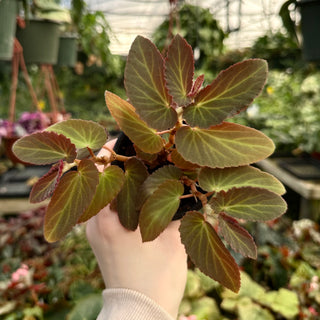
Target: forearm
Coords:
[[126, 304]]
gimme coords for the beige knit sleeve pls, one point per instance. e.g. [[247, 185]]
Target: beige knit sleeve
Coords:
[[126, 304]]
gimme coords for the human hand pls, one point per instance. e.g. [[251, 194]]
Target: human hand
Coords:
[[158, 269]]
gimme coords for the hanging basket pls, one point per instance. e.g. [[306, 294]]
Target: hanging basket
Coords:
[[40, 41], [310, 28], [8, 13], [67, 55]]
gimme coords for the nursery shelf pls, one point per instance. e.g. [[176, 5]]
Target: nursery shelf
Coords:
[[290, 173], [15, 186]]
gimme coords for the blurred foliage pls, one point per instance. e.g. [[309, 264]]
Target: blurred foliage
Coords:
[[283, 283], [288, 111], [43, 280], [201, 30]]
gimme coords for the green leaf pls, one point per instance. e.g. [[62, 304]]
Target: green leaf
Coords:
[[158, 211], [176, 158], [208, 252], [237, 237], [226, 145], [284, 301], [179, 70], [82, 133], [232, 91], [110, 183], [86, 308], [145, 85], [249, 203], [135, 175], [224, 179], [70, 199], [45, 186], [43, 148], [159, 176], [137, 130], [149, 158]]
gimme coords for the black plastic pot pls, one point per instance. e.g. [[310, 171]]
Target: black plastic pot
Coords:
[[124, 147], [310, 29]]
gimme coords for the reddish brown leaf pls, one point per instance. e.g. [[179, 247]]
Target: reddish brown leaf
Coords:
[[179, 70], [208, 252], [237, 237], [135, 174], [45, 186], [69, 200], [43, 148], [145, 85]]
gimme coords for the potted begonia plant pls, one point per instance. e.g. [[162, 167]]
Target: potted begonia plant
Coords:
[[182, 148]]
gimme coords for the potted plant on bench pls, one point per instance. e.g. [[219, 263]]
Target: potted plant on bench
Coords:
[[182, 149]]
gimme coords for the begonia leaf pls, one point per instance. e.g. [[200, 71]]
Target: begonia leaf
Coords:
[[159, 176], [159, 209], [70, 199], [43, 148], [196, 86], [45, 186], [145, 85], [179, 68], [176, 158], [237, 237], [82, 133], [137, 130], [248, 203], [224, 179], [110, 183], [232, 91], [207, 251], [146, 157], [135, 175], [225, 145]]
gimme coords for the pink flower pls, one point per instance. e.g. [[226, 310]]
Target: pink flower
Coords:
[[21, 274], [313, 311]]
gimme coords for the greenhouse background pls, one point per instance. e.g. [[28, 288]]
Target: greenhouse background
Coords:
[[61, 280]]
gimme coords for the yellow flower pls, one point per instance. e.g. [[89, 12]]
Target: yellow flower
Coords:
[[41, 105], [270, 90]]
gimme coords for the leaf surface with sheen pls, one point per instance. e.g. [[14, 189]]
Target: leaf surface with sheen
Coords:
[[248, 203], [137, 130], [45, 186], [224, 179], [110, 183], [226, 145], [159, 176], [179, 70], [145, 85], [237, 237], [232, 91], [135, 175], [82, 133], [69, 200], [208, 252], [43, 148], [159, 209]]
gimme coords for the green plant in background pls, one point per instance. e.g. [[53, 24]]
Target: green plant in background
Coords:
[[184, 150], [41, 280], [201, 31], [46, 9], [288, 111]]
